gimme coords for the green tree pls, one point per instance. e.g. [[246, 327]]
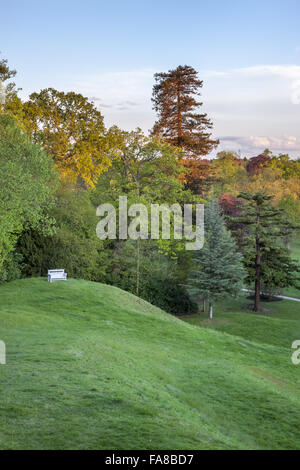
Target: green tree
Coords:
[[71, 129], [74, 245], [266, 259], [217, 269], [8, 87], [27, 185], [161, 277], [179, 123], [146, 171], [229, 170], [142, 167], [10, 103]]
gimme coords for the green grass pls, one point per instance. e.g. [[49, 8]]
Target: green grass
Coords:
[[295, 252], [92, 367], [278, 325]]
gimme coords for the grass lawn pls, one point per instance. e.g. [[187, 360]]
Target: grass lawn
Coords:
[[295, 250], [92, 367], [278, 325]]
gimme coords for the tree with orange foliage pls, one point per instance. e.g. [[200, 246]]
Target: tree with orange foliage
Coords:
[[179, 121], [200, 175]]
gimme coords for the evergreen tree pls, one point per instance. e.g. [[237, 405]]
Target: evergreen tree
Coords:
[[174, 98], [266, 259], [218, 269]]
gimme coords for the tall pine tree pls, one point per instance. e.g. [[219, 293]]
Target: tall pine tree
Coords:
[[265, 257], [218, 269], [175, 100]]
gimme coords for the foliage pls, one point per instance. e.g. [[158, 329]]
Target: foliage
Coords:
[[9, 89], [291, 207], [146, 167], [255, 164], [289, 168], [74, 247], [27, 184], [71, 129], [217, 269], [200, 175], [178, 121], [161, 277], [229, 170], [266, 260]]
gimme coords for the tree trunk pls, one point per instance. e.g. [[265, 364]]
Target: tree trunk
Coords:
[[203, 305], [210, 310], [257, 307], [179, 123]]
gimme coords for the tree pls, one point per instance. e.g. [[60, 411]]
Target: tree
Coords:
[[256, 164], [2, 94], [146, 171], [229, 169], [10, 103], [161, 278], [218, 269], [174, 98], [74, 245], [70, 129], [6, 74], [144, 166], [200, 175], [27, 184], [266, 259]]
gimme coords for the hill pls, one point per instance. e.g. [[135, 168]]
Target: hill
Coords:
[[92, 367]]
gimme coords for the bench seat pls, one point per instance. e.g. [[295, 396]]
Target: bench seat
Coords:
[[56, 275]]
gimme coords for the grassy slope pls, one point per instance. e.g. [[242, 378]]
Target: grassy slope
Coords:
[[295, 250], [90, 366]]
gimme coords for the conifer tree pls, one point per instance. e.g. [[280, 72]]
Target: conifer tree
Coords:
[[179, 123], [218, 269], [266, 259]]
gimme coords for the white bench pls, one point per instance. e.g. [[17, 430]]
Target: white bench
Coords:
[[57, 275]]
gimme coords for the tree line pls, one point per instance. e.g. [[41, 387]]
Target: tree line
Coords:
[[58, 163]]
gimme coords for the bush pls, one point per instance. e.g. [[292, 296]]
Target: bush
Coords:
[[74, 247], [160, 280]]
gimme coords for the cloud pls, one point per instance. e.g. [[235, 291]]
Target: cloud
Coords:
[[125, 96], [250, 101], [256, 82], [100, 103], [256, 144], [286, 71]]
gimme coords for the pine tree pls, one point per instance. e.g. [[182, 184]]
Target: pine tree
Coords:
[[218, 269], [174, 98], [266, 259]]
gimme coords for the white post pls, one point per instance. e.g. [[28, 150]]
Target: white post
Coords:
[[210, 311]]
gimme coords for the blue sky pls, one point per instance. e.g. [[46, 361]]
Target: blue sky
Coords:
[[247, 53]]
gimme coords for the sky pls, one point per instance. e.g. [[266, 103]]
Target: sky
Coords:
[[246, 52]]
